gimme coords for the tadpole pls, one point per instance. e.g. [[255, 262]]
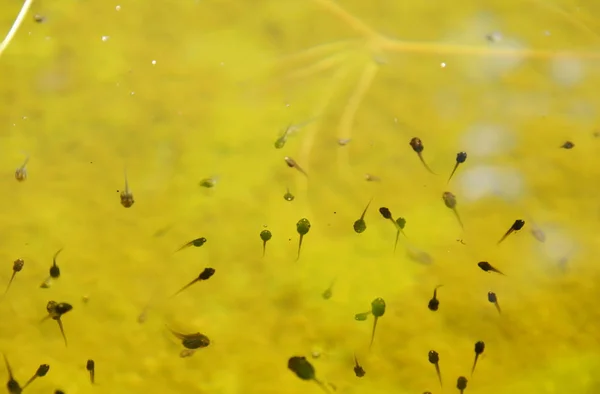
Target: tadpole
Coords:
[[461, 384], [479, 348], [126, 195], [55, 312], [302, 227], [204, 275], [487, 267], [39, 373], [292, 164], [434, 303], [21, 172], [568, 145], [54, 271], [12, 385], [516, 226], [17, 267], [303, 369], [434, 358], [192, 341], [450, 202], [417, 145], [198, 242], [360, 225], [494, 300], [329, 291], [288, 196], [90, 366], [265, 235], [400, 224], [461, 157], [378, 310], [358, 369]]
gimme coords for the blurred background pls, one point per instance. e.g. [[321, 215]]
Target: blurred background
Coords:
[[174, 93]]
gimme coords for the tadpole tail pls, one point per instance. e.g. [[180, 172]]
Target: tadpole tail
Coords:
[[62, 331], [92, 377], [264, 248], [373, 332], [362, 217], [474, 364], [425, 164], [322, 385], [299, 247], [10, 282], [504, 236], [396, 243], [31, 379], [439, 374], [498, 307], [458, 218], [453, 171], [185, 287], [8, 368]]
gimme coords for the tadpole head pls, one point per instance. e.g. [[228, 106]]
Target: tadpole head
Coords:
[[433, 357], [479, 347], [62, 308], [303, 226], [265, 235], [484, 265], [42, 370], [568, 145], [417, 145], [206, 274], [385, 213], [492, 297], [199, 242], [195, 341], [18, 265], [461, 157], [302, 368], [518, 224], [288, 196], [433, 304], [378, 307], [90, 365], [449, 200], [461, 383], [360, 226], [401, 222]]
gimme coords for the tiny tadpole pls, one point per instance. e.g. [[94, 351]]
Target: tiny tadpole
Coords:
[[461, 157], [302, 228], [568, 145], [192, 341], [208, 183], [54, 270], [360, 225], [516, 226], [494, 300], [328, 293], [417, 145], [12, 385], [198, 242], [204, 275], [479, 348], [304, 370], [265, 235], [461, 384], [288, 196], [39, 373], [17, 267], [21, 172], [398, 224], [292, 164], [90, 366], [378, 310], [55, 312], [450, 202], [487, 267], [434, 303], [358, 369], [434, 358], [126, 195]]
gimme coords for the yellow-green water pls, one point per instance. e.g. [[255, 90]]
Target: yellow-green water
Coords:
[[228, 78]]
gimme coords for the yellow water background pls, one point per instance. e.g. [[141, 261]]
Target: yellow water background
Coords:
[[178, 91]]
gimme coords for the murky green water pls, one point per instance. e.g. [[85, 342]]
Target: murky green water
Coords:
[[182, 91]]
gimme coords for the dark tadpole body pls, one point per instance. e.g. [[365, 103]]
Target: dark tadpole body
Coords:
[[450, 202], [90, 366], [358, 369], [461, 157], [360, 225], [17, 267], [12, 385], [461, 384], [39, 373], [417, 145], [328, 293], [434, 303], [126, 195], [265, 236], [434, 358], [304, 370], [516, 226], [487, 267], [21, 172], [192, 341], [568, 145], [494, 300], [206, 274], [198, 242], [55, 312], [377, 310], [302, 228], [479, 348], [398, 224]]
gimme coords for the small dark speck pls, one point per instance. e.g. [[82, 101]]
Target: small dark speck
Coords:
[[567, 145], [289, 239], [334, 212], [118, 191], [596, 134], [39, 18]]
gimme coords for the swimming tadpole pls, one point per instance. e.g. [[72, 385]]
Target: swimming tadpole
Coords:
[[302, 228], [304, 370], [360, 225], [417, 145], [265, 236]]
